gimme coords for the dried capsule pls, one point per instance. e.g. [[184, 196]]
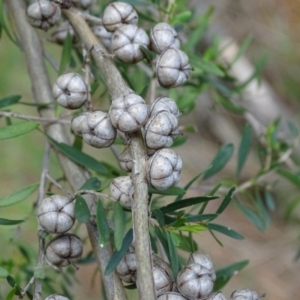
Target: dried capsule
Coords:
[[171, 296], [78, 123], [70, 90], [195, 282], [162, 37], [244, 294], [97, 129], [117, 14], [103, 35], [56, 297], [160, 130], [164, 169], [203, 260], [172, 68], [127, 267], [125, 160], [43, 14], [164, 104], [63, 250], [84, 4], [56, 214], [122, 190], [62, 31], [216, 296], [128, 113], [126, 42]]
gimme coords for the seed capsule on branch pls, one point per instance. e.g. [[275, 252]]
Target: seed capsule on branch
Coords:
[[70, 90], [103, 35], [117, 14], [171, 296], [127, 267], [162, 37], [203, 260], [245, 294], [126, 42], [216, 296], [56, 297], [160, 130], [43, 14], [122, 190], [164, 169], [128, 113], [164, 104], [84, 4], [62, 31], [172, 68], [125, 160], [96, 129], [56, 214], [63, 250], [195, 282]]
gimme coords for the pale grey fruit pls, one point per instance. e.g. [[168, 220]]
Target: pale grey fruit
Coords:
[[84, 4], [122, 190], [127, 267], [164, 169], [43, 14], [128, 113], [63, 250], [62, 31], [164, 104], [195, 282], [162, 37], [126, 42], [70, 90], [125, 159], [172, 68], [171, 296], [117, 14], [216, 296], [103, 35], [244, 294], [56, 214], [78, 123], [56, 297]]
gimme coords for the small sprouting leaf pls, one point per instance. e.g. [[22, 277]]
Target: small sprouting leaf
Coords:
[[224, 274], [192, 228], [226, 201], [220, 160], [11, 294], [118, 255], [173, 256], [102, 224], [225, 230], [93, 184], [150, 55], [7, 222], [186, 243], [226, 102], [181, 18], [18, 196], [173, 191], [12, 131], [244, 148], [185, 203], [82, 212], [205, 66], [3, 273], [180, 140], [10, 100], [119, 228], [80, 157], [66, 53], [293, 178], [39, 273]]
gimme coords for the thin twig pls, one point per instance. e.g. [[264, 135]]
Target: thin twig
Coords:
[[57, 184], [26, 288], [91, 192], [51, 61]]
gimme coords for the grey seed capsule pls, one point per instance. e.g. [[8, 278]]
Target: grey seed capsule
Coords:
[[56, 297], [78, 123], [127, 267], [63, 250], [164, 103], [126, 42], [84, 4], [56, 214], [125, 160], [43, 14], [122, 190], [62, 31], [171, 296], [162, 37], [244, 294], [172, 68], [70, 90], [117, 14], [216, 296]]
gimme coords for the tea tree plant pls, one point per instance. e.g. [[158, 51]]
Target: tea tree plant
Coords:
[[146, 101]]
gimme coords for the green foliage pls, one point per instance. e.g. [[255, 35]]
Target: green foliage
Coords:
[[82, 212], [12, 131]]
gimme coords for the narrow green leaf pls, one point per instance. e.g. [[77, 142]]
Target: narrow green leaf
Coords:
[[12, 131], [225, 230], [18, 196], [226, 102], [220, 160], [243, 48], [173, 191], [3, 23], [92, 183], [244, 148], [118, 255], [294, 130], [13, 284], [186, 243], [205, 66], [119, 228], [3, 273], [10, 100], [159, 216], [173, 256], [200, 218], [66, 53], [192, 228], [80, 157], [185, 203], [10, 222], [82, 212], [293, 178], [11, 294], [226, 201], [262, 209], [291, 207], [224, 274], [150, 55], [161, 234], [102, 224], [181, 18], [180, 140]]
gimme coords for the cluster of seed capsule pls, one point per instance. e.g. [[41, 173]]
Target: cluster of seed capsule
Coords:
[[194, 282]]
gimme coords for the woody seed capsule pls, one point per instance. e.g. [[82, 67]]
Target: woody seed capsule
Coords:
[[127, 267], [61, 33], [216, 296], [245, 294], [84, 4], [164, 104], [125, 160], [171, 296], [56, 297], [122, 190]]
